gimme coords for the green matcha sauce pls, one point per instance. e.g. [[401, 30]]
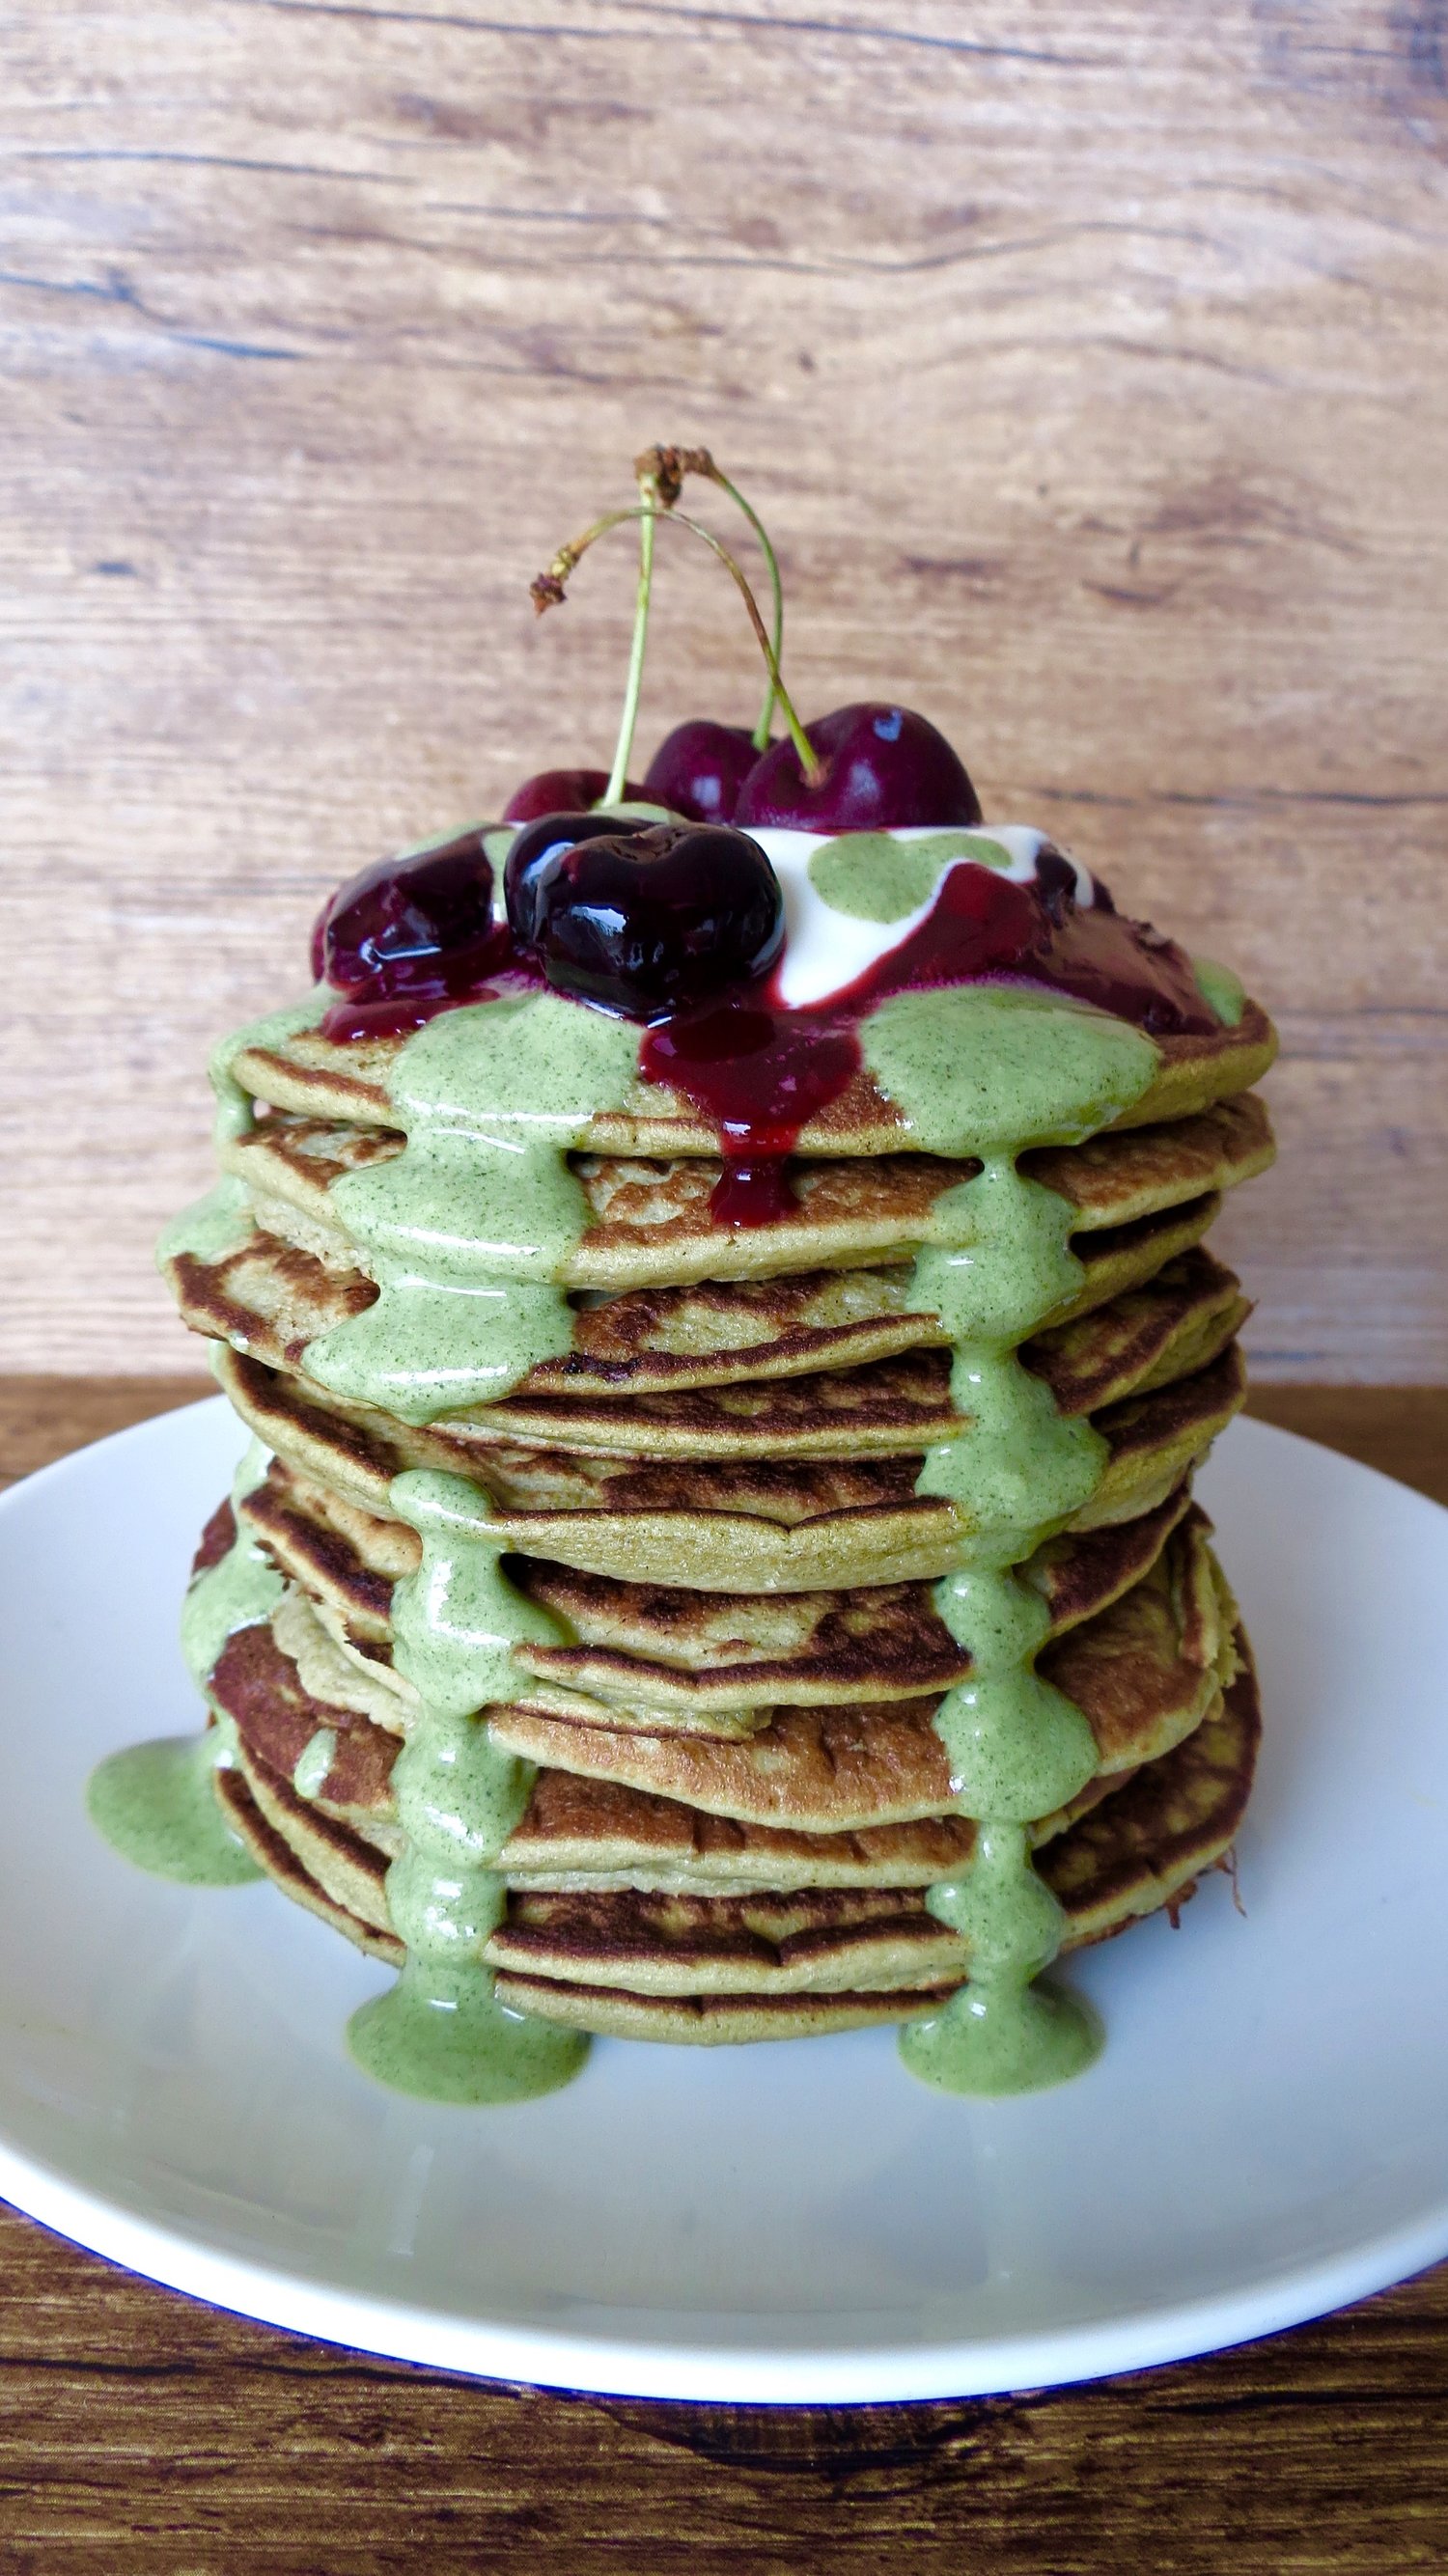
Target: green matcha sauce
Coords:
[[1221, 990], [155, 1803], [871, 876], [987, 1072], [220, 1223], [440, 2031], [212, 1227], [235, 1107], [467, 1230]]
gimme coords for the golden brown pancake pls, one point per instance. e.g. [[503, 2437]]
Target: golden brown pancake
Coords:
[[349, 1080], [651, 1225], [1144, 1673], [703, 1658], [270, 1301], [684, 1966], [706, 1659], [748, 1525]]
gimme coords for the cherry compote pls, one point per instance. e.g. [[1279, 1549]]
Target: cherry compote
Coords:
[[417, 923], [881, 767], [656, 920], [699, 769], [756, 1072], [983, 926]]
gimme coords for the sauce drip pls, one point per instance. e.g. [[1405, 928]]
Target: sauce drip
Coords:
[[759, 1074], [440, 2030], [985, 1073], [466, 1230], [396, 1015], [753, 1193], [155, 1803]]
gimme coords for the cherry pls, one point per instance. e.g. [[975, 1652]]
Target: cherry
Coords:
[[657, 919], [699, 769], [535, 845], [421, 922], [880, 767], [558, 791]]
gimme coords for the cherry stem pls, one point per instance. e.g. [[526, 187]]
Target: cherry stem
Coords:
[[548, 589], [665, 469], [766, 712], [618, 775]]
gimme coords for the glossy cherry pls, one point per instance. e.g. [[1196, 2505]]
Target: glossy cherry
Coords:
[[560, 791], [881, 767], [536, 844], [657, 919], [699, 769], [414, 923]]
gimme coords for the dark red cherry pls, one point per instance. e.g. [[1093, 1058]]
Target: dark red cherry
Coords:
[[882, 767], [699, 769], [411, 923], [658, 919], [535, 845], [561, 791]]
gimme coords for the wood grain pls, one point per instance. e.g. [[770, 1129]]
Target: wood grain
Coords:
[[1089, 363], [144, 2435]]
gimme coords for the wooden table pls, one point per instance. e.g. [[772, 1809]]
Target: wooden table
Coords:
[[143, 2435]]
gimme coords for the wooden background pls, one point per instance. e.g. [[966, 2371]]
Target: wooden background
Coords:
[[1089, 361]]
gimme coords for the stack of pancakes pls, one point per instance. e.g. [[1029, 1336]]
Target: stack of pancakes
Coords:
[[740, 1800]]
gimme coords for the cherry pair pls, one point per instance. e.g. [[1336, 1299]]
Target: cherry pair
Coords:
[[879, 767]]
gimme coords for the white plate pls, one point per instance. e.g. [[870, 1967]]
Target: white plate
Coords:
[[1265, 2137]]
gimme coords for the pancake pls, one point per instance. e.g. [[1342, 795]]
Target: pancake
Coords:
[[708, 1660], [651, 1223], [343, 1884], [755, 1526], [1144, 1673], [270, 1301], [748, 1967], [713, 1662], [349, 1080], [1182, 1319], [788, 2016]]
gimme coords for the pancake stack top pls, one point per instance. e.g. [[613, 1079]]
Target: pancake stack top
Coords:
[[727, 1336]]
